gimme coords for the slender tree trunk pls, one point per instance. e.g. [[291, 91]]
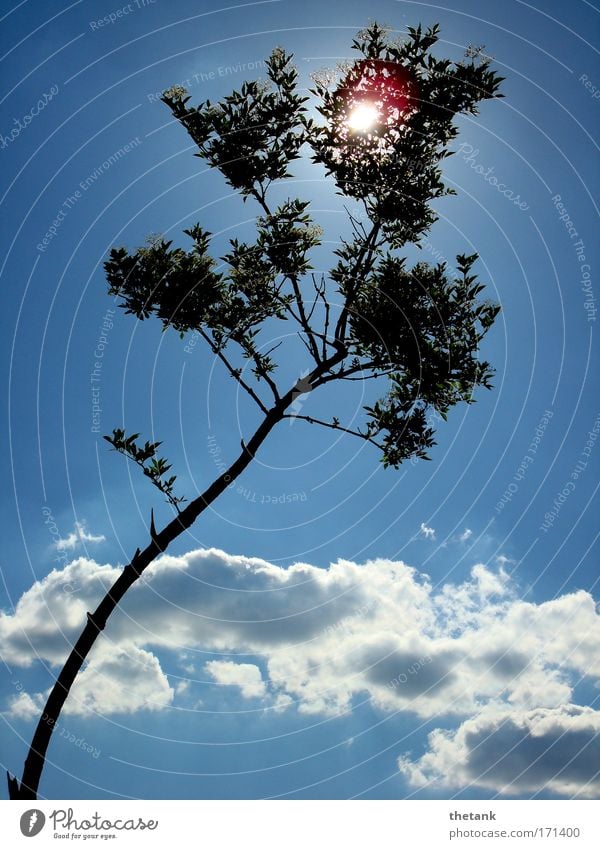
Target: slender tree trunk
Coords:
[[34, 763]]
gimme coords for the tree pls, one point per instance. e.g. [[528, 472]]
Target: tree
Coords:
[[387, 121]]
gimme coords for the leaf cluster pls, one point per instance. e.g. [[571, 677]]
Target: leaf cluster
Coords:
[[424, 329], [417, 329], [254, 134], [180, 287], [396, 171], [153, 466]]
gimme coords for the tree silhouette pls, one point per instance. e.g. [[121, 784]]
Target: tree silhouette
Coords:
[[385, 124]]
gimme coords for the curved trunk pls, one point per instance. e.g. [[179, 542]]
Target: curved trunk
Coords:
[[96, 621]]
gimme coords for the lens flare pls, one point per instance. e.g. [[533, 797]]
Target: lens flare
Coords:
[[377, 95], [363, 117]]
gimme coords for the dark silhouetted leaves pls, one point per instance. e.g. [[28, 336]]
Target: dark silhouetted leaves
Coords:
[[153, 466], [418, 329]]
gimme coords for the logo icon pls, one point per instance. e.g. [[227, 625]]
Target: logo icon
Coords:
[[32, 822], [301, 389]]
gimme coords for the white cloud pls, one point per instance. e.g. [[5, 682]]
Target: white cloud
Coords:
[[49, 616], [379, 630], [79, 536], [426, 532], [246, 676], [466, 535], [515, 752], [119, 681], [116, 681], [26, 706]]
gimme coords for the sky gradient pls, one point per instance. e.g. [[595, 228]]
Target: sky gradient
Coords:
[[329, 629]]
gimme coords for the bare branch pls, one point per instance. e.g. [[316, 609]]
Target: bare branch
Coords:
[[321, 293], [274, 348], [235, 373], [357, 226], [373, 366], [374, 376], [303, 319], [262, 372], [364, 257], [335, 425], [305, 343], [316, 298], [260, 197]]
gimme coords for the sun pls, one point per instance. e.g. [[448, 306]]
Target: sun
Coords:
[[375, 96], [363, 117]]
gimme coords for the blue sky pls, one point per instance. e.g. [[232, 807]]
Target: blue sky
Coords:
[[233, 713]]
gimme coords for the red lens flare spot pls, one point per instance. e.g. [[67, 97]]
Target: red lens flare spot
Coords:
[[378, 93]]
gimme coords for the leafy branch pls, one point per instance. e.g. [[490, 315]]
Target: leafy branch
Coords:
[[153, 466], [371, 317]]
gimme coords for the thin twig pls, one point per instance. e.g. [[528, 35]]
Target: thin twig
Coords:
[[365, 255], [336, 426], [270, 351], [235, 373], [260, 197]]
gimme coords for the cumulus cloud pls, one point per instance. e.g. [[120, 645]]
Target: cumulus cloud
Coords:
[[246, 676], [426, 532], [378, 630], [120, 681], [26, 706], [114, 682], [515, 752], [50, 615], [466, 535], [77, 537]]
